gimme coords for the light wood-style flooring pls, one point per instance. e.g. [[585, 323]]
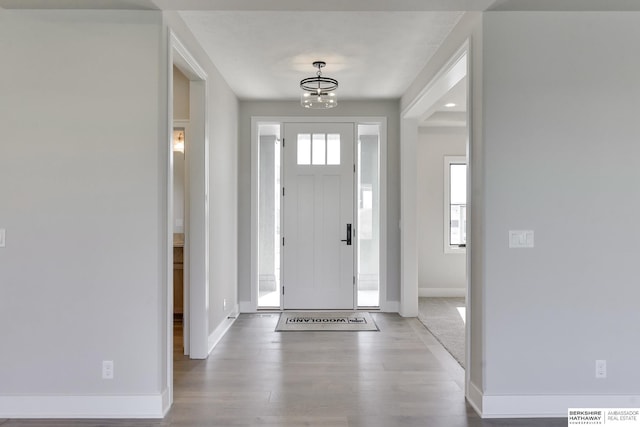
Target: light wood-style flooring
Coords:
[[400, 376]]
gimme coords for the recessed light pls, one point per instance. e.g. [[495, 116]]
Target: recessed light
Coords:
[[450, 105]]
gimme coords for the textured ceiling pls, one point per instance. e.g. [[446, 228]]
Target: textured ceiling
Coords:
[[264, 55], [375, 48]]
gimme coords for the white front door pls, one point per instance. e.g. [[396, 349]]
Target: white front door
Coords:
[[318, 226]]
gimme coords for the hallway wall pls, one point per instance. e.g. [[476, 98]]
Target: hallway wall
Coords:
[[84, 189], [80, 163], [561, 148]]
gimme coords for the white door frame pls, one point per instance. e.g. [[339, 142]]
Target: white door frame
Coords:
[[458, 66], [252, 305], [196, 210]]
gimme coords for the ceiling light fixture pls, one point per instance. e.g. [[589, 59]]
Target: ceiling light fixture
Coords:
[[318, 92], [178, 140]]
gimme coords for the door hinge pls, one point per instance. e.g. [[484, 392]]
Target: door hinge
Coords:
[[282, 142], [354, 168], [283, 290], [283, 241], [354, 280], [282, 191]]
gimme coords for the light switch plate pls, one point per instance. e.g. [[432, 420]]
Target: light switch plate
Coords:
[[521, 238], [3, 235]]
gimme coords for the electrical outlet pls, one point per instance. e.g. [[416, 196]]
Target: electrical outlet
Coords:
[[107, 369], [601, 369]]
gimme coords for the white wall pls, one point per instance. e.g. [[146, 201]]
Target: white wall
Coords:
[[84, 188], [561, 148], [180, 95], [439, 273], [81, 275], [389, 109]]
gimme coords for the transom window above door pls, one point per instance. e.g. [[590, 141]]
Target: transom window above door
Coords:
[[318, 149]]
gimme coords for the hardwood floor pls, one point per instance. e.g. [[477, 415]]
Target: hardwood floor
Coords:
[[400, 376]]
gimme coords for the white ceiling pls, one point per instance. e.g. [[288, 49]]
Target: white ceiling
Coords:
[[328, 5], [375, 48], [450, 110], [264, 55]]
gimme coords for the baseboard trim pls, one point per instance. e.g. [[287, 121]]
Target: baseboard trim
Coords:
[[442, 292], [166, 403], [222, 329], [391, 307], [549, 406], [247, 307], [474, 397], [124, 406]]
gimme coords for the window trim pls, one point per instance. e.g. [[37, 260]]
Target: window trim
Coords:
[[448, 161]]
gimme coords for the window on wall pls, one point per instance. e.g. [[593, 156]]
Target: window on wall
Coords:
[[455, 204]]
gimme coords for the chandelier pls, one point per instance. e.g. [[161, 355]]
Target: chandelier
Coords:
[[318, 92]]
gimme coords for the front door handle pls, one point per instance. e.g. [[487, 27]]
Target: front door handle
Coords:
[[348, 239]]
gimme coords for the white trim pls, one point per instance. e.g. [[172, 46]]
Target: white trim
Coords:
[[469, 309], [474, 397], [221, 330], [197, 236], [247, 307], [110, 406], [449, 75], [168, 255], [541, 406], [184, 60], [252, 305], [442, 292], [382, 160], [166, 402]]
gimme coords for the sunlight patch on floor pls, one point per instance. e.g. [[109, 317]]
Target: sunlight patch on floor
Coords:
[[463, 313]]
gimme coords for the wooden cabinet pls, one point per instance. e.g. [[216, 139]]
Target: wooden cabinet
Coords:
[[178, 274]]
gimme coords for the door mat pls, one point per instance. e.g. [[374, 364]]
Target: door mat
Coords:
[[302, 321]]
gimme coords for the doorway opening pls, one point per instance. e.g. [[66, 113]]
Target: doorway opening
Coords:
[[436, 233], [187, 215], [180, 291], [303, 217]]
